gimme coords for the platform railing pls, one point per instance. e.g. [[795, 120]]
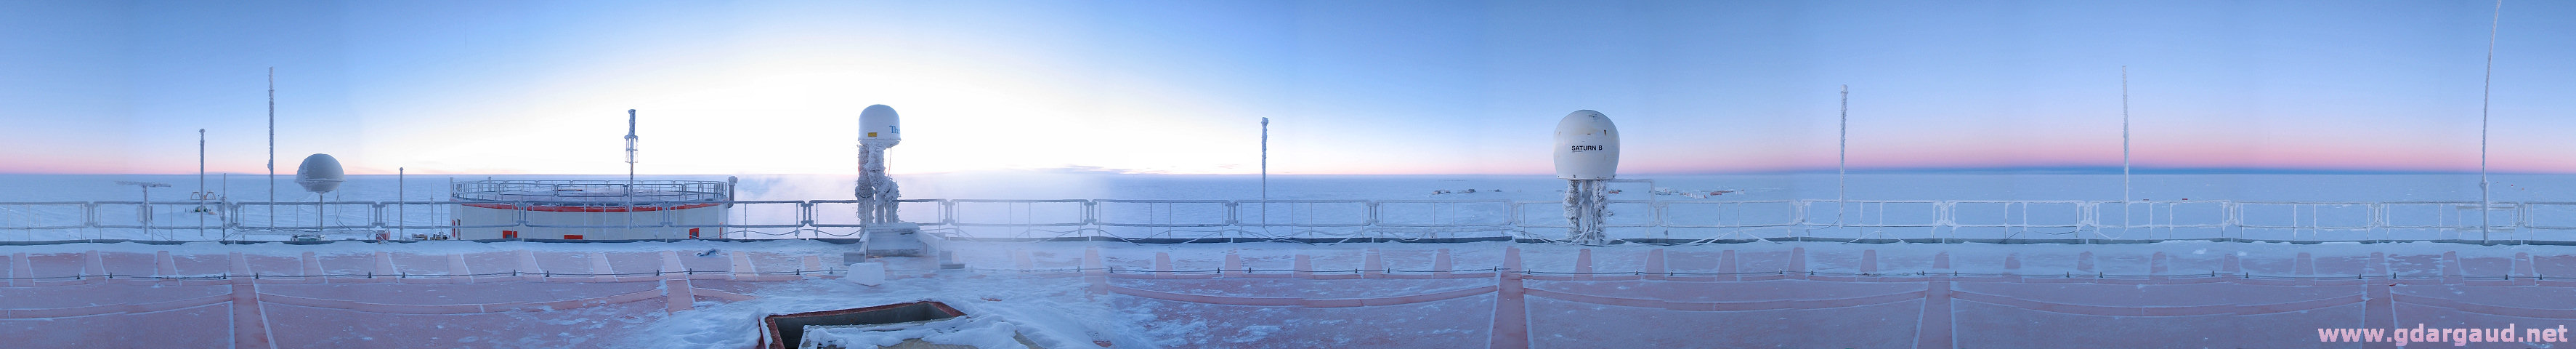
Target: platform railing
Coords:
[[1714, 220], [665, 190]]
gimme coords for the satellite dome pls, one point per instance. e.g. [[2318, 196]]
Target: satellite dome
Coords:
[[1587, 146], [879, 123], [320, 173]]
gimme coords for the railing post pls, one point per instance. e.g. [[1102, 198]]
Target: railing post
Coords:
[[2234, 220], [232, 215], [1372, 214], [2522, 219], [1658, 208], [666, 213], [805, 213], [947, 212]]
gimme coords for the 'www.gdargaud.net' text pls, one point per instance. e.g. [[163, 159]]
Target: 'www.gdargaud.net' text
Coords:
[[2454, 336]]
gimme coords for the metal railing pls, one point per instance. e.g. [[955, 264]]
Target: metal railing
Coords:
[[1708, 220], [591, 191]]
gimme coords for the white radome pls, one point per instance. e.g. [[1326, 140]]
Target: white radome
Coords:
[[1587, 146], [879, 123], [320, 173]]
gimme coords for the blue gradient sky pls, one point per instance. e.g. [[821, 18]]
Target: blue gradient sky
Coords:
[[476, 87]]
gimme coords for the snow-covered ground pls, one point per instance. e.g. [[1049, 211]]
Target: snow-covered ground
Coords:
[[1296, 295]]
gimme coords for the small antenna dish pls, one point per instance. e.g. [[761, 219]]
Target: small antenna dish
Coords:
[[320, 173]]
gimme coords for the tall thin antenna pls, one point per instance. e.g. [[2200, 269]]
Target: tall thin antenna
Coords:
[[2124, 151], [630, 149], [2485, 200], [1265, 173], [272, 146], [1842, 160]]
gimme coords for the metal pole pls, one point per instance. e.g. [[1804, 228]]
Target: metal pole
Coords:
[[399, 207], [1265, 174], [627, 218], [225, 196], [2124, 152], [201, 183], [147, 211], [2485, 199], [272, 147], [1842, 160]]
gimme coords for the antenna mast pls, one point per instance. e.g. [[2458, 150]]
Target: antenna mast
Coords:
[[630, 149], [272, 147], [1265, 173], [2487, 92]]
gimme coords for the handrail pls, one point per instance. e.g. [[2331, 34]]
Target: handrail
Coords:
[[2305, 220]]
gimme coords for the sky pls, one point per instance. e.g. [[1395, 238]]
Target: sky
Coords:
[[1351, 87]]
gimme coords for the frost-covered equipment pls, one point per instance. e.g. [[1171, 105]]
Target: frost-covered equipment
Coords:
[[144, 212], [880, 128], [320, 173], [630, 145], [1587, 157], [590, 209]]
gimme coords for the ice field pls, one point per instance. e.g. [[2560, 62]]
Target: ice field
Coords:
[[1075, 260]]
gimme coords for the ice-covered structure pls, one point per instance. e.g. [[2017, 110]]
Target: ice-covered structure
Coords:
[[1587, 156], [590, 209]]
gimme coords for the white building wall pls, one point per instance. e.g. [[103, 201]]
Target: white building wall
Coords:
[[646, 223]]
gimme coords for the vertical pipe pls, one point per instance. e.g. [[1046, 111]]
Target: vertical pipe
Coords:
[[627, 217], [223, 196], [1265, 174], [272, 147], [870, 164], [2124, 151], [1585, 201], [201, 183], [1842, 160]]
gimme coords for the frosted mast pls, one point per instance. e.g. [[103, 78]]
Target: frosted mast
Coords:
[[1265, 173], [2486, 201], [272, 147]]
